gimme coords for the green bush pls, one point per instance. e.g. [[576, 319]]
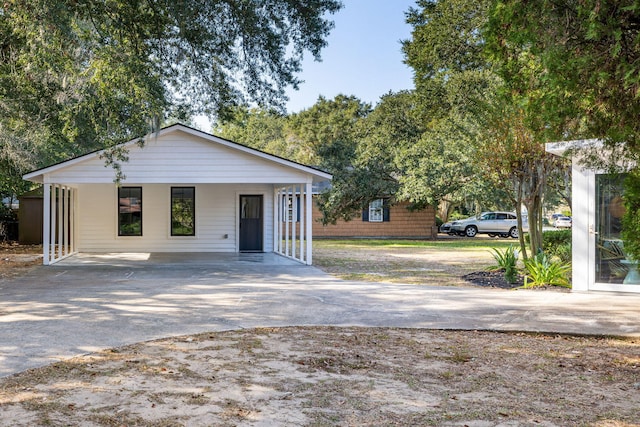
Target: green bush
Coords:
[[563, 252], [556, 243], [541, 271], [507, 261], [631, 217]]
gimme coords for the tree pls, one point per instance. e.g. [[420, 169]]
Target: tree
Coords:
[[79, 75], [496, 132], [265, 130], [589, 64], [454, 83]]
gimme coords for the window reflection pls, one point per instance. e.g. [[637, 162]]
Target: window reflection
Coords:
[[611, 263]]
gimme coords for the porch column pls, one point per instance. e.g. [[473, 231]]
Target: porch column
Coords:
[[46, 223], [52, 237], [276, 219], [58, 223], [294, 218], [301, 202], [60, 206], [308, 223]]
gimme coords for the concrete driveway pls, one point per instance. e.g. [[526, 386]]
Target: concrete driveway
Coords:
[[87, 303]]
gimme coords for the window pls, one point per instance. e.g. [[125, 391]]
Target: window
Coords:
[[375, 210], [183, 211], [130, 211], [288, 207], [378, 211], [612, 265]]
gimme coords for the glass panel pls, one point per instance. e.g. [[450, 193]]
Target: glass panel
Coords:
[[183, 211], [250, 208], [376, 210], [130, 211], [611, 263]]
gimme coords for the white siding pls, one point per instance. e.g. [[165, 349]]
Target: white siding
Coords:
[[181, 158], [216, 216]]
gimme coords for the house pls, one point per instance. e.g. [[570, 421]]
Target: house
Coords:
[[380, 220], [184, 191], [598, 258]]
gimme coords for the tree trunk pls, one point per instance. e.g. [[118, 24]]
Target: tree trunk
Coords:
[[444, 209], [523, 246]]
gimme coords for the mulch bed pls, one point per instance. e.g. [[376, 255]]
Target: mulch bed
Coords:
[[492, 279]]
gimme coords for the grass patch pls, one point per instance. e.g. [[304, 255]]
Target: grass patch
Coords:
[[426, 262], [444, 244]]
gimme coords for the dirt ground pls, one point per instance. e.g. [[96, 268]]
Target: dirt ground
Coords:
[[324, 376], [15, 258]]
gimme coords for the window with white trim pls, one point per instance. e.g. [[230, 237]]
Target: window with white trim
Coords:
[[376, 210]]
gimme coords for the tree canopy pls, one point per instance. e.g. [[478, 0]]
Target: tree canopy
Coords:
[[76, 75], [587, 58]]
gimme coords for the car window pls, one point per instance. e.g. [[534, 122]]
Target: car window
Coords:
[[511, 216], [489, 216], [502, 216]]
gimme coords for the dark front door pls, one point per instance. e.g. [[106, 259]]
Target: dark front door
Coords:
[[251, 224]]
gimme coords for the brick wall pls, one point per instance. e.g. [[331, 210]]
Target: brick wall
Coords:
[[402, 223]]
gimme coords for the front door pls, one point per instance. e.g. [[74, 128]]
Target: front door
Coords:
[[251, 224]]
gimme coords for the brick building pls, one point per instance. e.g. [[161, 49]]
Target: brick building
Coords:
[[381, 221]]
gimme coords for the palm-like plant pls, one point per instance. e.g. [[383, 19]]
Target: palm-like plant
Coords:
[[541, 271], [507, 261]]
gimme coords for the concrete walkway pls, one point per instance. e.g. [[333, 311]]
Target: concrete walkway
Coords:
[[88, 303]]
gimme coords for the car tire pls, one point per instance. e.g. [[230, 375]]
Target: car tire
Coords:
[[471, 231], [492, 234], [513, 232]]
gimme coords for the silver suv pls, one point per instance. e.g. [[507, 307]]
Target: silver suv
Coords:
[[503, 224]]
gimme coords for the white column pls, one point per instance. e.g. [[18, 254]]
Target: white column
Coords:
[[302, 221], [294, 218], [46, 223], [60, 201], [286, 221], [72, 220], [52, 239], [309, 233], [65, 225], [275, 220]]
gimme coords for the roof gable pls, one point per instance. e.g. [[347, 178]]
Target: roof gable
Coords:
[[180, 154]]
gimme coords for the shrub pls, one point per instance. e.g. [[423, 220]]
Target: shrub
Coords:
[[507, 261], [556, 243], [541, 271], [631, 217]]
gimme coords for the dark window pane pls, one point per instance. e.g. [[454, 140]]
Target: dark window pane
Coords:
[[250, 208], [130, 211], [183, 211]]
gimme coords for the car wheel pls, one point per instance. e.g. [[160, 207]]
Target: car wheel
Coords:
[[471, 231], [504, 235], [513, 232]]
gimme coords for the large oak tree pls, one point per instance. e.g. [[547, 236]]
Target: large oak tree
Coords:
[[77, 75]]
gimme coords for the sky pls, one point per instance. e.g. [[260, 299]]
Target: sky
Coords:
[[363, 57]]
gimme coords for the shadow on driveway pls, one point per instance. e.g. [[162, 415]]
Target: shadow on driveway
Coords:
[[84, 304]]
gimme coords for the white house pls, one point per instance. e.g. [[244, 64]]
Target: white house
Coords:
[[598, 259], [184, 191]]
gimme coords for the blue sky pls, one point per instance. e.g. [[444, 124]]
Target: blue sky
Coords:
[[363, 57]]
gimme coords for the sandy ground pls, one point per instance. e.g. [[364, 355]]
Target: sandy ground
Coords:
[[337, 376], [322, 376]]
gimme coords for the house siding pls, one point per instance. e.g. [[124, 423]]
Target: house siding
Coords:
[[402, 223], [181, 158], [216, 216]]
